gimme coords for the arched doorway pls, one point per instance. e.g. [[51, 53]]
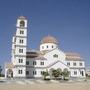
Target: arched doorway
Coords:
[[9, 73]]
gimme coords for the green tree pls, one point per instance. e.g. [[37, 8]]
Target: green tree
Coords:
[[56, 73], [60, 71], [0, 71], [65, 74], [45, 73]]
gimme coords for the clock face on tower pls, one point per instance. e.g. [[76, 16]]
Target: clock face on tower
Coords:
[[22, 23]]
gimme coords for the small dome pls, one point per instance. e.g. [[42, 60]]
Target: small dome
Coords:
[[22, 17], [49, 39]]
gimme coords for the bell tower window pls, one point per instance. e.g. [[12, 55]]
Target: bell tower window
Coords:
[[22, 23], [20, 50], [21, 32]]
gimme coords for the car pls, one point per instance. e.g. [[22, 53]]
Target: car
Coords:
[[47, 78]]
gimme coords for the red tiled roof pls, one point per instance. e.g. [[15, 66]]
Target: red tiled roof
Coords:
[[73, 56]]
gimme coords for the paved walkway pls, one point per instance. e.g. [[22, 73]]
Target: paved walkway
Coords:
[[33, 81]]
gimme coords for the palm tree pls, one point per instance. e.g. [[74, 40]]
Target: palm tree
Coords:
[[65, 74]]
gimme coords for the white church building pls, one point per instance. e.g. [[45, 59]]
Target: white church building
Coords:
[[31, 63]]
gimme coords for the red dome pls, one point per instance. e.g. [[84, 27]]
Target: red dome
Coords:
[[49, 39]]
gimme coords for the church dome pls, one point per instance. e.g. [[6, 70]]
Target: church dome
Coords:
[[49, 39]]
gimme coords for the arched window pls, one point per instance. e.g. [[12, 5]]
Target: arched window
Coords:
[[47, 46], [52, 46], [55, 56], [22, 23], [42, 47]]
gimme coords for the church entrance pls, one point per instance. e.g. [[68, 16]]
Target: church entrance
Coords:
[[9, 73]]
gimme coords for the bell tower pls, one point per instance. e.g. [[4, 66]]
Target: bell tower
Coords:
[[19, 47]]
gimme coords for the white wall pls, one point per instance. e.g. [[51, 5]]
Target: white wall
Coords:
[[77, 63], [38, 62], [76, 68], [18, 41], [17, 51], [78, 72], [59, 65], [16, 74], [51, 59], [44, 46], [18, 32], [38, 72], [16, 61]]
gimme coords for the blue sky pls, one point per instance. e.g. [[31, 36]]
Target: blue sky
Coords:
[[67, 20]]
